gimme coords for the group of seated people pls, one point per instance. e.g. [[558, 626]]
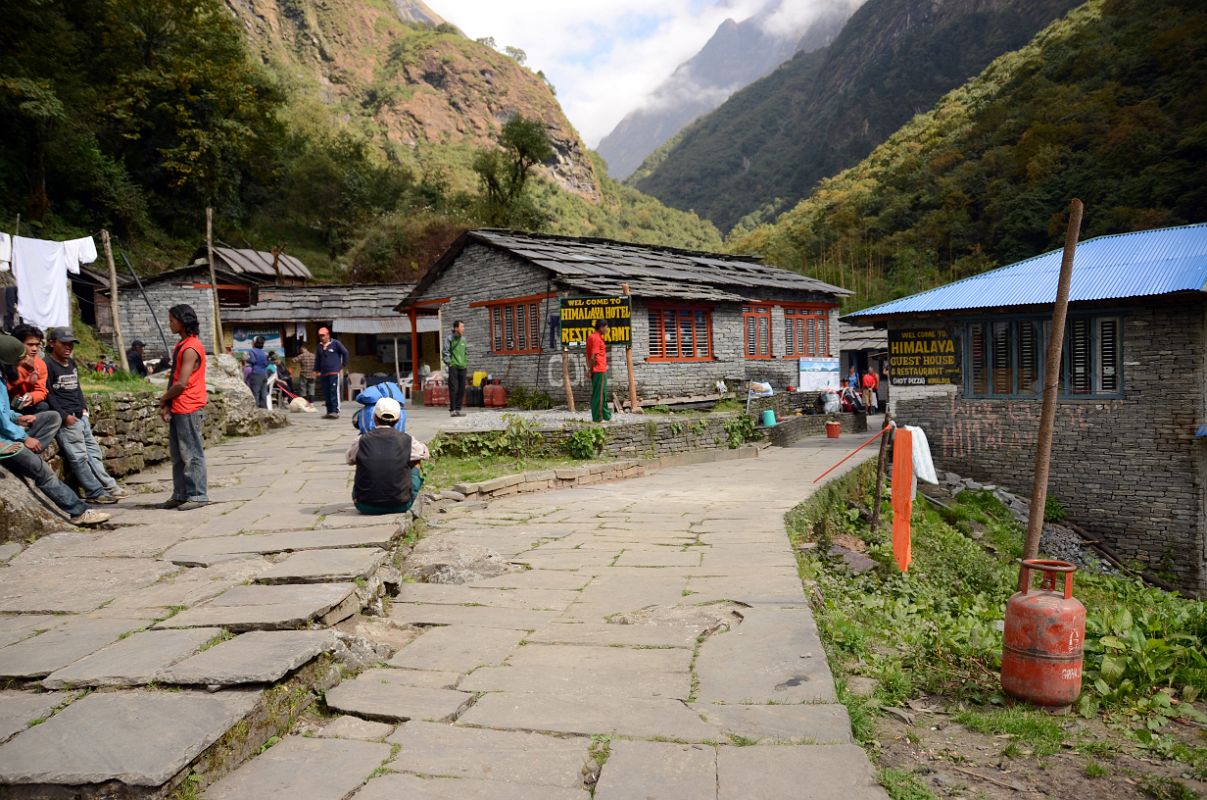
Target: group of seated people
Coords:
[[41, 401]]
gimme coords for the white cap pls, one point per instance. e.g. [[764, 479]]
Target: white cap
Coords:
[[387, 409]]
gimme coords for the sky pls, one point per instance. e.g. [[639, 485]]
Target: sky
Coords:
[[603, 56]]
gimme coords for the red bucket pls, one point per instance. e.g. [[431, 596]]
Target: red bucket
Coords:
[[833, 430]]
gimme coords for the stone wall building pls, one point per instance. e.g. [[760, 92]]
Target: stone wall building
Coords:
[[697, 318], [1126, 460]]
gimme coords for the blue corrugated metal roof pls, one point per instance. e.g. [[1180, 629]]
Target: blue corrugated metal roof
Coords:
[[1123, 265]]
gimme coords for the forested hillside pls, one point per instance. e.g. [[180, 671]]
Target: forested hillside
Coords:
[[1108, 104], [346, 130], [768, 145]]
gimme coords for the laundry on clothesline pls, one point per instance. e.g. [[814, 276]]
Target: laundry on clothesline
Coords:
[[43, 295], [6, 251]]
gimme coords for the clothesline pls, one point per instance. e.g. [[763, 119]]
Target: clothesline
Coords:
[[42, 265]]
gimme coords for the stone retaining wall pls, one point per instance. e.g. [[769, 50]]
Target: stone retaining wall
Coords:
[[793, 429]]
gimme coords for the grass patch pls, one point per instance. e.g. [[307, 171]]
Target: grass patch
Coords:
[[1035, 731], [447, 471], [93, 381], [1095, 770], [901, 784]]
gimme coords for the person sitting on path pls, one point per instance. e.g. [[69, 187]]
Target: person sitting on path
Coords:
[[134, 358], [182, 406], [329, 362], [76, 440], [27, 388], [458, 364], [22, 438], [388, 479], [257, 379], [597, 363]]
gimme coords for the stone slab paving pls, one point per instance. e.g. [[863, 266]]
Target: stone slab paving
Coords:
[[140, 738], [458, 648], [807, 723], [585, 714], [326, 566], [659, 771], [265, 607], [388, 695], [506, 756], [480, 616], [204, 552], [802, 773], [74, 585], [347, 727], [65, 644], [414, 787], [18, 710], [255, 657], [136, 660], [303, 769], [15, 627]]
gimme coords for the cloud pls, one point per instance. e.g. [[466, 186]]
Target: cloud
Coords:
[[605, 57], [791, 16]]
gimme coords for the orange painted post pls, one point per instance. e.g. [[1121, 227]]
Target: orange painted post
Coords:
[[903, 501]]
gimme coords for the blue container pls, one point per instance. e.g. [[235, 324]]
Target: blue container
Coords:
[[769, 418]]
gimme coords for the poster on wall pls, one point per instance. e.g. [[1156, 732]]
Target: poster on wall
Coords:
[[817, 374], [578, 315], [923, 357], [243, 337]]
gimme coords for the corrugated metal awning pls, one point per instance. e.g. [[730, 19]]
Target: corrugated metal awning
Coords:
[[387, 326]]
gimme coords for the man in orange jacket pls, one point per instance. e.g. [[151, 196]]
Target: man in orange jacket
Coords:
[[28, 390], [597, 363]]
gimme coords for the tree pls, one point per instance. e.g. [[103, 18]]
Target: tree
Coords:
[[516, 53], [503, 174]]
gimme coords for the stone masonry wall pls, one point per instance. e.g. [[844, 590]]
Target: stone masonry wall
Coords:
[[137, 322], [1130, 470], [483, 273]]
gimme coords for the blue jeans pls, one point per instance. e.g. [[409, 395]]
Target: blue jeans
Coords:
[[258, 381], [45, 426], [30, 465], [188, 457], [84, 456], [330, 384]]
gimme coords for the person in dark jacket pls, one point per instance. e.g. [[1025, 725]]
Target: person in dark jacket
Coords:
[[134, 358], [388, 479], [329, 361], [76, 440], [257, 379]]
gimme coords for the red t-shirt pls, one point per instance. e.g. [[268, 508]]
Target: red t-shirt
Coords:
[[869, 380], [597, 352], [193, 397]]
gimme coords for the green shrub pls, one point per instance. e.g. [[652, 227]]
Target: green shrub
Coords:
[[586, 442], [739, 430], [529, 399], [1054, 511], [520, 439]]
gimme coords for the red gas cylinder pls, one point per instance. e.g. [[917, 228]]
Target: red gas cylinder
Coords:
[[1045, 630], [435, 394], [495, 395]]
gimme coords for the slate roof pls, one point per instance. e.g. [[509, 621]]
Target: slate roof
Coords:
[[857, 337], [1116, 267], [255, 264], [321, 303], [599, 266]]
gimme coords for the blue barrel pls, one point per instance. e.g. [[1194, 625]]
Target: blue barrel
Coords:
[[769, 418]]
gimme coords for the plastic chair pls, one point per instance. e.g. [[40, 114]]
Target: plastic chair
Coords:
[[356, 384]]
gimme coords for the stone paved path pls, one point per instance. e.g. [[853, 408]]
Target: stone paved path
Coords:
[[655, 626]]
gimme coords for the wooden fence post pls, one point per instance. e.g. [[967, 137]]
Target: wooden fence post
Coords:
[[114, 306]]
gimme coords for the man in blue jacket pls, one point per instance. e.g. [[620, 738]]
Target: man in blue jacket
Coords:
[[330, 360]]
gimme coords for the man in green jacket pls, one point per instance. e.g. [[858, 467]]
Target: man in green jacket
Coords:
[[458, 362]]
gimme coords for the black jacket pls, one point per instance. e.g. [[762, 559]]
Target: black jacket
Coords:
[[383, 468], [137, 366]]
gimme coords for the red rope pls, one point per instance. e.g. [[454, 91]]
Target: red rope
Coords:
[[853, 452]]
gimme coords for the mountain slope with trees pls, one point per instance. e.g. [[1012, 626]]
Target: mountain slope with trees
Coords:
[[346, 130], [769, 145], [1108, 105]]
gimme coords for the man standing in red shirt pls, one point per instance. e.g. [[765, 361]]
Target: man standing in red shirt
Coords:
[[597, 362], [182, 406], [870, 384]]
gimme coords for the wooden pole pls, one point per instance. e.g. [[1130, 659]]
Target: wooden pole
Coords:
[[628, 356], [566, 379], [209, 257], [114, 306], [397, 371], [888, 419], [415, 387], [1047, 418]]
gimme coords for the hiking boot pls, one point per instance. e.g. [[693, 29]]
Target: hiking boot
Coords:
[[120, 492], [90, 518], [189, 505], [101, 499], [173, 503]]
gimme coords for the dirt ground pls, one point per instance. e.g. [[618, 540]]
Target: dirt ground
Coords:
[[956, 762]]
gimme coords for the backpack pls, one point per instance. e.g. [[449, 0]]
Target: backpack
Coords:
[[368, 398]]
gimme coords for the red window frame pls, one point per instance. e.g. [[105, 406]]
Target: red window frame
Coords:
[[756, 331], [698, 319], [807, 331], [515, 327]]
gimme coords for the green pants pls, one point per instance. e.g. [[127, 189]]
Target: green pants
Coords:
[[599, 397], [416, 485]]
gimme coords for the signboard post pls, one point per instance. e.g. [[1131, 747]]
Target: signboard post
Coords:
[[923, 357], [628, 354]]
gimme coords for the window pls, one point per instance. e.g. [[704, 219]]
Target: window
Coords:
[[806, 332], [1005, 358], [757, 323], [515, 328], [680, 334], [366, 344]]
